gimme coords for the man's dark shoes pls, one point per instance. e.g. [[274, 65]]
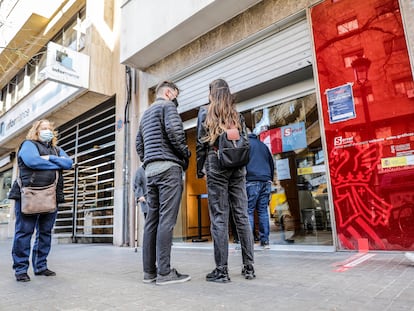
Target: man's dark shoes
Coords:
[[248, 272], [172, 278], [219, 275], [22, 277], [46, 272]]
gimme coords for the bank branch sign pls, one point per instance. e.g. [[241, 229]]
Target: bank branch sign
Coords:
[[65, 76], [66, 66], [285, 138]]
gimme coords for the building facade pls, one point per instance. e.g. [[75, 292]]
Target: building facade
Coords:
[[270, 53], [91, 67], [60, 61]]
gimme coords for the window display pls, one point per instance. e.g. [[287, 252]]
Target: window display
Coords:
[[299, 202]]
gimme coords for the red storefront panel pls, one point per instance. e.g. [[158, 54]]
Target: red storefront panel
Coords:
[[367, 94]]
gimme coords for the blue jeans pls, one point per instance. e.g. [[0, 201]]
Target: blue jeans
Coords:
[[227, 190], [164, 197], [25, 226], [258, 193]]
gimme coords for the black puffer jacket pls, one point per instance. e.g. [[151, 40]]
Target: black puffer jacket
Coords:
[[161, 136]]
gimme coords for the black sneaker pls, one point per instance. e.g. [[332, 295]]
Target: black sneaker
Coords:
[[22, 277], [46, 272], [219, 275], [248, 272]]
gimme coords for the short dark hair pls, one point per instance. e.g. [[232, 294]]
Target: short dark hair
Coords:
[[168, 84]]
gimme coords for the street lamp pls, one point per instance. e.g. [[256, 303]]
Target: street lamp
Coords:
[[361, 66]]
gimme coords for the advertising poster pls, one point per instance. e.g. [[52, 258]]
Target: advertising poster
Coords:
[[286, 138], [341, 103]]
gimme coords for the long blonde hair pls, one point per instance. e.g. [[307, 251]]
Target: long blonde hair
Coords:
[[33, 133], [221, 113]]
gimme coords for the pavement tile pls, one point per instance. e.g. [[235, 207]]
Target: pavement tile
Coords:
[[105, 277]]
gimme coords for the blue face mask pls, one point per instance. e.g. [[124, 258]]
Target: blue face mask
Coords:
[[45, 135]]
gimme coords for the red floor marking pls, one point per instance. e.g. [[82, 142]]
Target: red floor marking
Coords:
[[355, 259]]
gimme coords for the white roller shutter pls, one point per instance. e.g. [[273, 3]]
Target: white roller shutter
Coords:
[[273, 56]]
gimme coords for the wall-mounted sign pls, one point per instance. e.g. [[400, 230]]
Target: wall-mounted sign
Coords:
[[285, 138], [66, 65], [341, 106], [44, 99]]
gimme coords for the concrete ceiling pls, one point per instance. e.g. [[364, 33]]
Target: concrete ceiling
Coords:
[[206, 19]]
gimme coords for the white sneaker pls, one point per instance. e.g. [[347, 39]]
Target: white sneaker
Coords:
[[410, 256]]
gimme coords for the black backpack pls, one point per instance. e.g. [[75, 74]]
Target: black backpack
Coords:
[[233, 153]]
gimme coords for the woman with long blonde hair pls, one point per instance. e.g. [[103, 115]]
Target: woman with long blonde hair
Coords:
[[40, 163], [226, 186]]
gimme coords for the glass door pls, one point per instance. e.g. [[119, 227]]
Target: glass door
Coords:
[[298, 206]]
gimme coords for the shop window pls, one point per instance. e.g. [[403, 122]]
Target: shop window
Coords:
[[387, 10], [350, 57], [69, 36], [404, 87], [5, 186], [3, 93], [72, 34], [347, 26], [20, 84], [299, 202], [394, 44], [11, 94], [33, 71], [368, 95]]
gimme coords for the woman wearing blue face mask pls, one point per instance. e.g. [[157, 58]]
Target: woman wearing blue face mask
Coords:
[[39, 158]]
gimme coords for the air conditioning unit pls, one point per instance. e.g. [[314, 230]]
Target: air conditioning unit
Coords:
[[410, 93]]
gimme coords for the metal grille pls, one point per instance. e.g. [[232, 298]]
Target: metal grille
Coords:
[[87, 214]]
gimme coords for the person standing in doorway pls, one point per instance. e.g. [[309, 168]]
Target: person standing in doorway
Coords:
[[259, 177], [39, 160], [226, 186], [162, 148], [140, 190]]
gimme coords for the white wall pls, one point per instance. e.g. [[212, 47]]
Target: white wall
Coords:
[[154, 29]]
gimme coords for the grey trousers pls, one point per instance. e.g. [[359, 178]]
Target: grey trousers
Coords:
[[227, 190], [164, 196]]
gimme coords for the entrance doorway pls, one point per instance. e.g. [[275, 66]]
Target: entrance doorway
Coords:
[[299, 209]]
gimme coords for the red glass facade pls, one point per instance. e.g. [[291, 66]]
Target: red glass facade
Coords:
[[367, 96]]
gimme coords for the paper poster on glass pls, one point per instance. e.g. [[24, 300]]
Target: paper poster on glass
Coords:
[[341, 105], [283, 169]]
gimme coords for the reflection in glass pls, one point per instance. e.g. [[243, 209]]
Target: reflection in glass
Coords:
[[299, 201]]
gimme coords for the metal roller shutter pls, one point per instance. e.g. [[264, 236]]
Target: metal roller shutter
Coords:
[[267, 58]]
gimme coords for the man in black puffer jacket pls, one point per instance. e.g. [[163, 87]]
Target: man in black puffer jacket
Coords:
[[162, 147]]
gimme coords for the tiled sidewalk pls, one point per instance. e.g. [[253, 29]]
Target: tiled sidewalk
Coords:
[[104, 277]]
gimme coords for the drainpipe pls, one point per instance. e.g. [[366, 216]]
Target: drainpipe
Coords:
[[127, 159]]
